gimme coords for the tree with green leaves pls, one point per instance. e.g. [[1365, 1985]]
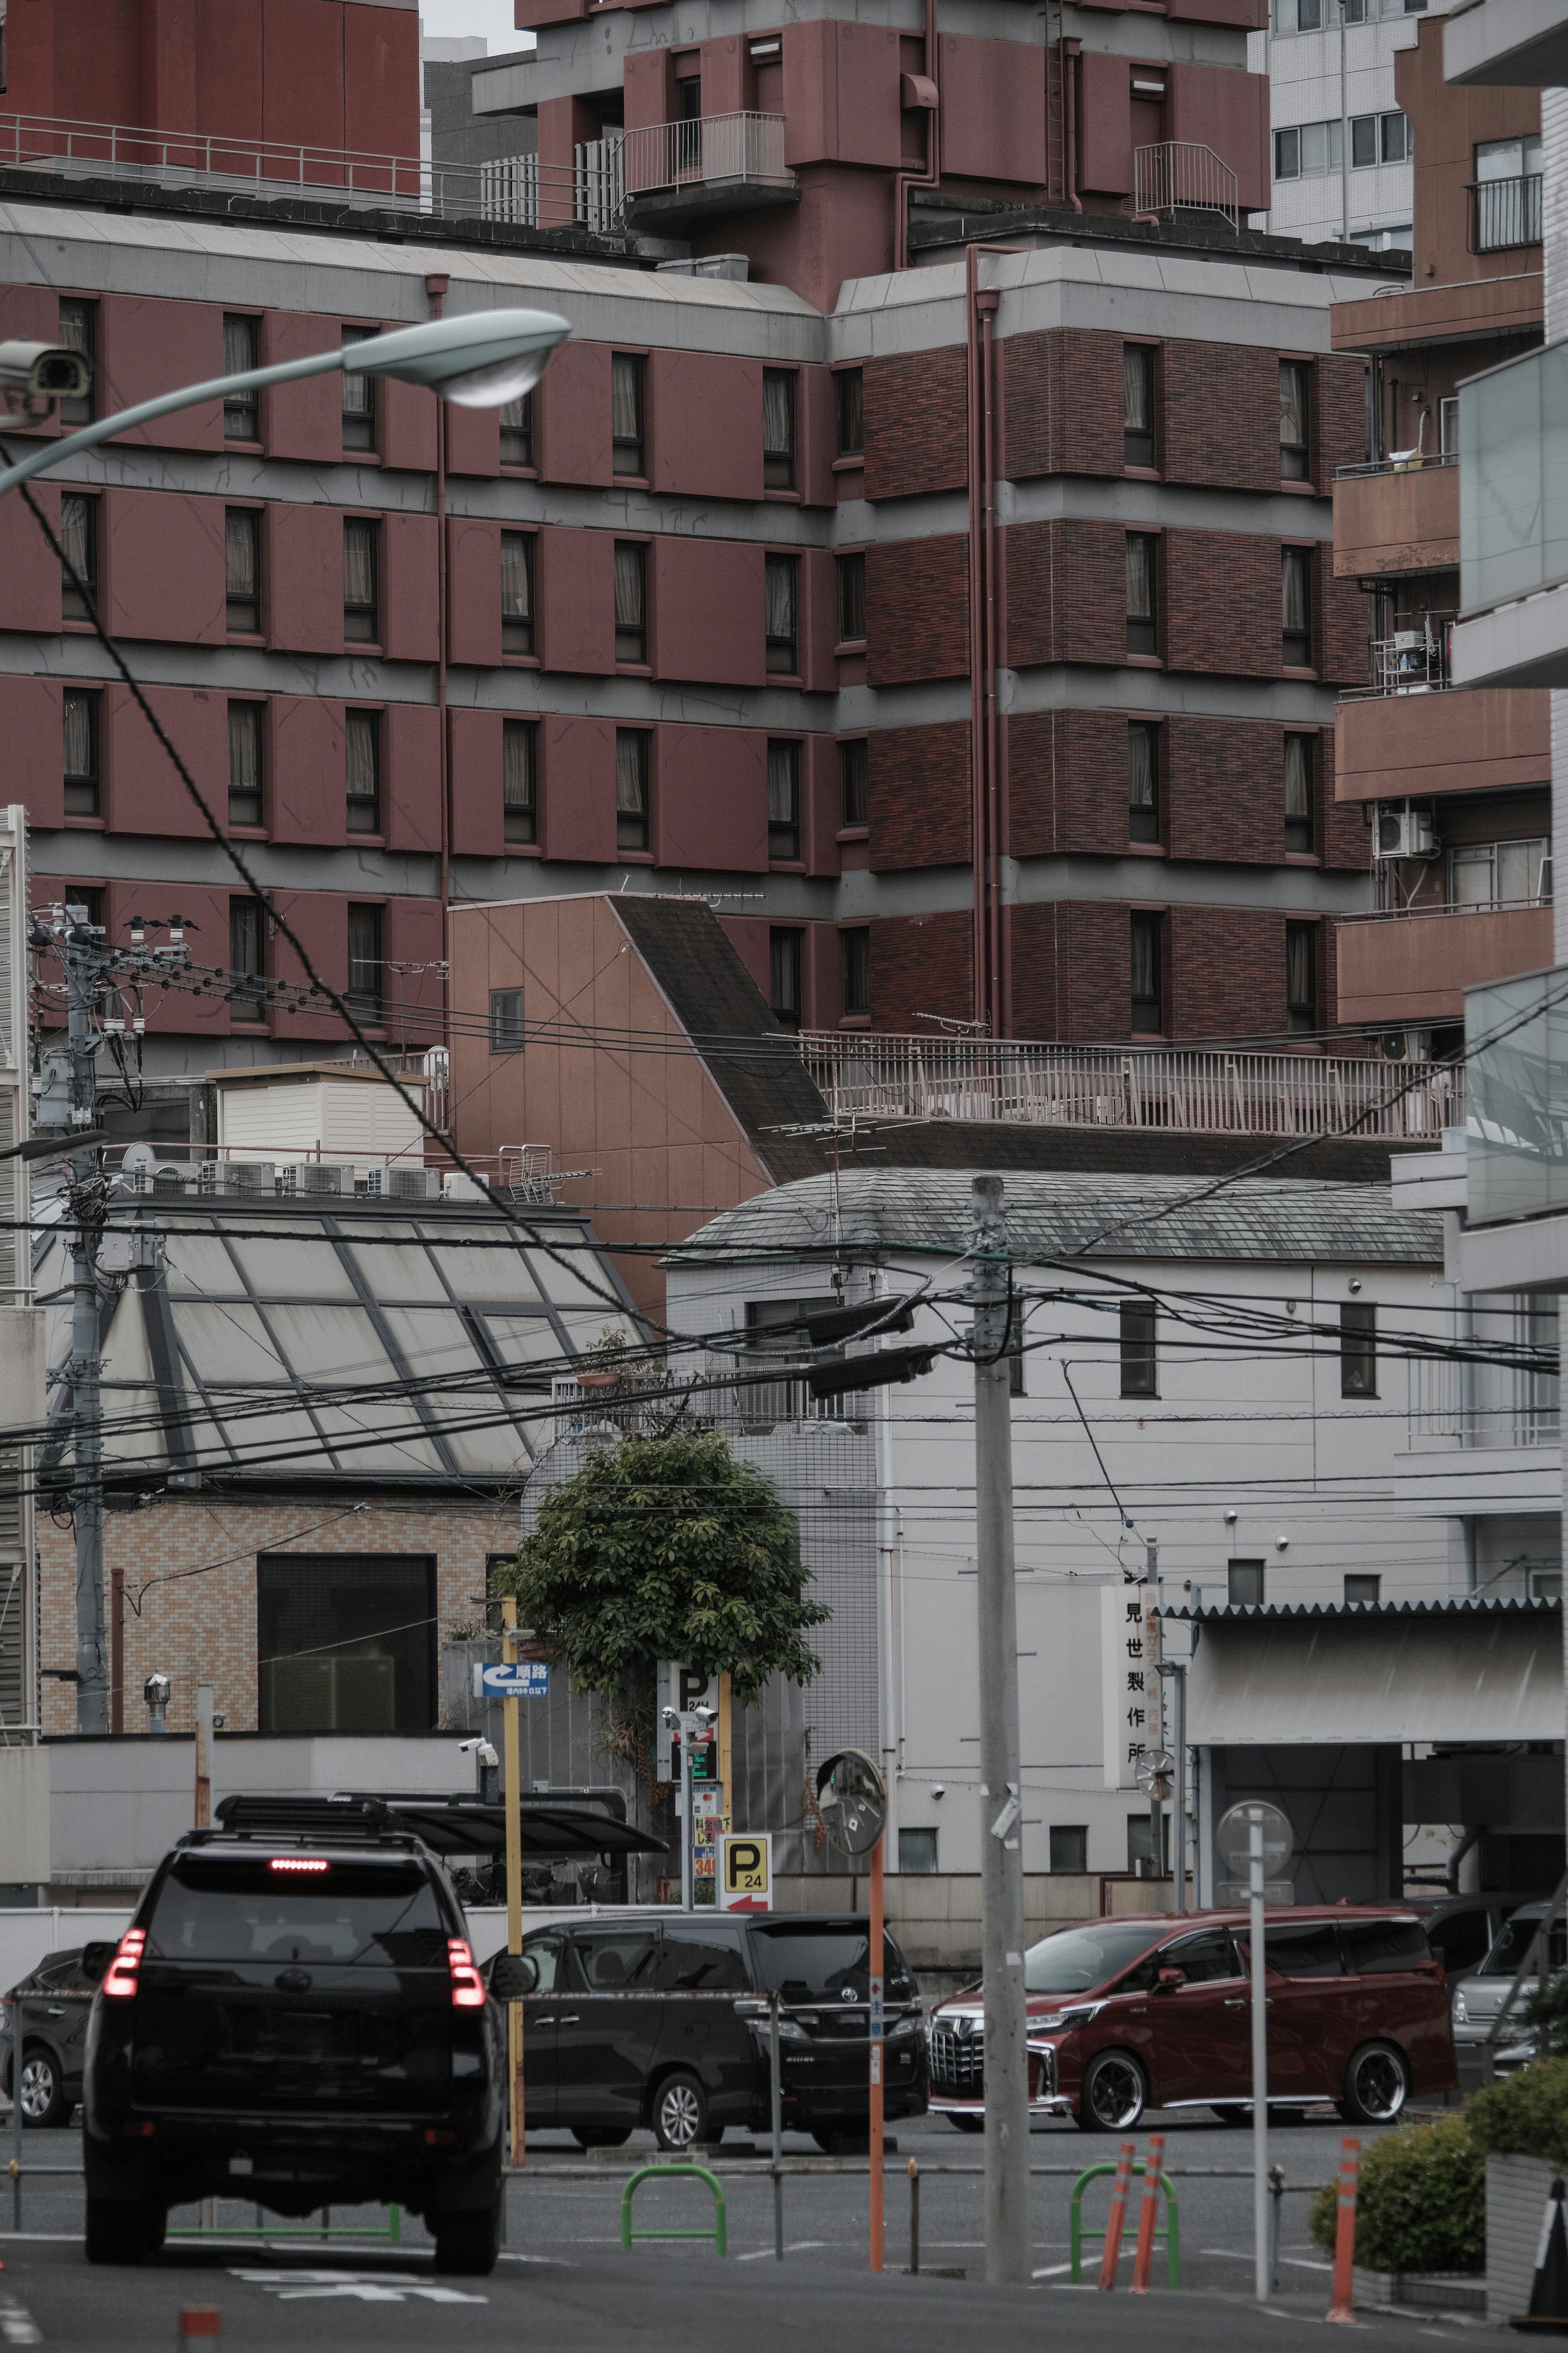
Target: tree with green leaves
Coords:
[[663, 1548]]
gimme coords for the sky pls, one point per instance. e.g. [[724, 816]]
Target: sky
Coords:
[[491, 19]]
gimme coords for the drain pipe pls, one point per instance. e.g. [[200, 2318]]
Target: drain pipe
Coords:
[[904, 180], [436, 289], [1066, 89], [985, 759]]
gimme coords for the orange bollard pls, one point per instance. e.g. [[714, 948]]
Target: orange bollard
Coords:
[[1118, 2189], [200, 2320], [1344, 2241], [1149, 2219]]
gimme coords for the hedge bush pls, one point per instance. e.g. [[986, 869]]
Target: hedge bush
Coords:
[[1526, 2115], [1422, 2205]]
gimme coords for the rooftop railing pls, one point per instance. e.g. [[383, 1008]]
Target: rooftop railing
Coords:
[[1182, 175], [711, 150]]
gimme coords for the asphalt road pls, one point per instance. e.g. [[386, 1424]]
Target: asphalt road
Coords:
[[564, 2280]]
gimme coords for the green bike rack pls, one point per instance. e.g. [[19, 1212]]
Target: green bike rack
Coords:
[[1077, 2234], [664, 2173]]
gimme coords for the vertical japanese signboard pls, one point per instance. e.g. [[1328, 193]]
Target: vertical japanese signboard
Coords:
[[1130, 1715]]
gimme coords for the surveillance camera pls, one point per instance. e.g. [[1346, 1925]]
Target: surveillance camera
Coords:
[[1230, 1519], [938, 1790], [1355, 1283], [1281, 1544], [466, 1747], [41, 373], [706, 1714], [670, 1720]]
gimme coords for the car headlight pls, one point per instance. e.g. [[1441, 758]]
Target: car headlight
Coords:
[[1078, 2015], [1461, 2015], [904, 2029]]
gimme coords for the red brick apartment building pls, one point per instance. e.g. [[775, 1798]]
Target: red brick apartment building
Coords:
[[963, 623]]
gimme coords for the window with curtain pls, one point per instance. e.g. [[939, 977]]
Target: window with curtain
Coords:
[[778, 428], [519, 780], [1148, 1004], [628, 384], [82, 778], [631, 788], [245, 764], [1138, 405], [242, 570], [855, 782], [247, 993], [780, 583], [359, 397], [1142, 616], [1142, 780], [852, 599], [784, 977], [783, 800], [517, 592], [1296, 594], [1358, 1348], [78, 537], [241, 353], [850, 411], [631, 601], [1298, 792], [79, 332], [1292, 420], [366, 965], [517, 432], [359, 622], [361, 743], [1300, 978], [855, 948]]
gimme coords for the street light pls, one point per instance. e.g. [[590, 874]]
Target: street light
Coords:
[[478, 359]]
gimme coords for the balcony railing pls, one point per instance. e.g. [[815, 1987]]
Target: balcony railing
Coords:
[[1400, 461], [714, 149], [1505, 214], [1180, 176], [1198, 1090]]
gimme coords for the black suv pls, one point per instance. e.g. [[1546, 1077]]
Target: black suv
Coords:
[[296, 2019], [661, 2019]]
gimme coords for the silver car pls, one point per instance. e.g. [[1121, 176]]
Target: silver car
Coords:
[[1477, 2002]]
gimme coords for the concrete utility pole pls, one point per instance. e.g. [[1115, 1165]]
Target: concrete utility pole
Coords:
[[1001, 1794]]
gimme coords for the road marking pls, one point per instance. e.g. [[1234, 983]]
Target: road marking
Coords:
[[17, 2326], [1051, 2270], [794, 2247], [359, 2287]]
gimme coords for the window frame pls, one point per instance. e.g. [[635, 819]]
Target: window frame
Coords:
[[634, 470], [517, 630], [1364, 1600], [507, 1035], [1065, 1830], [779, 464], [363, 415], [249, 981], [1154, 922], [354, 718], [1358, 1348], [522, 831], [784, 833], [257, 710], [1140, 449], [1302, 1013], [626, 635], [523, 429], [775, 646], [786, 942], [235, 607], [371, 526], [90, 778], [80, 411], [1294, 457], [850, 409], [850, 566], [240, 408], [1144, 817], [1137, 1347], [855, 770], [855, 970], [370, 1007], [1296, 646], [1240, 1572], [71, 608], [626, 822], [1301, 832], [1143, 628]]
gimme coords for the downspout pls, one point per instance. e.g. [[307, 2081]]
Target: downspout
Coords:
[[904, 180], [1069, 111], [984, 748], [436, 288], [986, 304]]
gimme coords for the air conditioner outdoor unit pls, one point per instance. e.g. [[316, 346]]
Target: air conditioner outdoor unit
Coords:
[[1403, 832], [1407, 1045], [411, 1183], [318, 1178]]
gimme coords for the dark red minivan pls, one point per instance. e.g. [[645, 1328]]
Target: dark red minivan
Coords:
[[1130, 2014]]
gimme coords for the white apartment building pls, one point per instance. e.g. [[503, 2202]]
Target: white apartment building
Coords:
[[1341, 148]]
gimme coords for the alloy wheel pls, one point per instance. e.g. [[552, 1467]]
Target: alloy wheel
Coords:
[[679, 2114], [38, 2088], [1116, 2093], [1380, 2086]]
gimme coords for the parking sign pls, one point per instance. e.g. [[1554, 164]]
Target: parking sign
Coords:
[[745, 1871]]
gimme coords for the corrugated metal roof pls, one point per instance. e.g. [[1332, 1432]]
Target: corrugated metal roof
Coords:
[[1058, 1213], [1460, 1605]]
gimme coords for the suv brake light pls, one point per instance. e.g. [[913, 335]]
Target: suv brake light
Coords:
[[299, 1862], [120, 1976], [467, 1985]]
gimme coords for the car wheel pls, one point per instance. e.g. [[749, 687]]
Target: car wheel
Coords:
[[469, 2244], [44, 2101], [1115, 2093], [1377, 2085], [1233, 2113], [680, 2113], [116, 2230], [601, 2136], [965, 2124]]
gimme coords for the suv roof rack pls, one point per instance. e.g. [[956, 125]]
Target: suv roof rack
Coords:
[[458, 1826]]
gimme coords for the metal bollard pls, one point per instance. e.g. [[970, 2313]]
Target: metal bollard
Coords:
[[1275, 2216], [1149, 2220], [1345, 2240], [1114, 2227], [914, 2219], [200, 2320]]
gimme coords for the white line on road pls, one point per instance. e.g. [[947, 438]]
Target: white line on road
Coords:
[[795, 2247], [17, 2326], [1052, 2271]]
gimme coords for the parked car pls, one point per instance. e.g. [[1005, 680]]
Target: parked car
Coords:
[[660, 2019], [1477, 2002], [1462, 1929], [1156, 2012], [58, 1996]]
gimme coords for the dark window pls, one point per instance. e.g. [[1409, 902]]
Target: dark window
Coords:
[[78, 538], [1363, 142], [628, 380], [783, 800], [851, 597], [83, 783], [1461, 1941], [244, 780], [631, 789], [379, 1914], [362, 770], [79, 332], [359, 397], [784, 977], [1301, 979], [1362, 1592], [519, 780], [1244, 1584], [89, 899], [247, 962], [241, 338], [611, 1960], [1143, 1863], [1312, 1950], [1138, 405], [697, 1962], [780, 581], [917, 1852], [1140, 1357], [1358, 1348], [1148, 1009], [1143, 781], [778, 428], [359, 624], [1203, 1959], [849, 398], [517, 592], [806, 1962], [1142, 616], [1070, 1846], [242, 570], [1294, 397], [1298, 792], [365, 965], [1395, 141], [517, 432], [506, 1021], [346, 1643], [631, 601], [855, 946], [1296, 608], [855, 782], [688, 99]]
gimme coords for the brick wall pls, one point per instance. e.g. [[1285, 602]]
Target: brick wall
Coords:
[[921, 813], [917, 611], [1218, 407], [1222, 603], [1342, 829], [921, 964], [915, 423], [1064, 589], [1061, 404], [1338, 419], [1223, 971]]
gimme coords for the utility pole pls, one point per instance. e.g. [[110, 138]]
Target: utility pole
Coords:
[[1001, 1794], [1155, 1696]]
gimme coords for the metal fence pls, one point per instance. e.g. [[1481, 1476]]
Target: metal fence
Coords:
[[1182, 175], [1505, 213], [716, 147]]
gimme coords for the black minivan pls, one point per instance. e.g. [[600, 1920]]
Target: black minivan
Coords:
[[661, 2019]]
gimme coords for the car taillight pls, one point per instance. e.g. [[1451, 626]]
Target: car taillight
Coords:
[[467, 1985], [299, 1862], [120, 1976]]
